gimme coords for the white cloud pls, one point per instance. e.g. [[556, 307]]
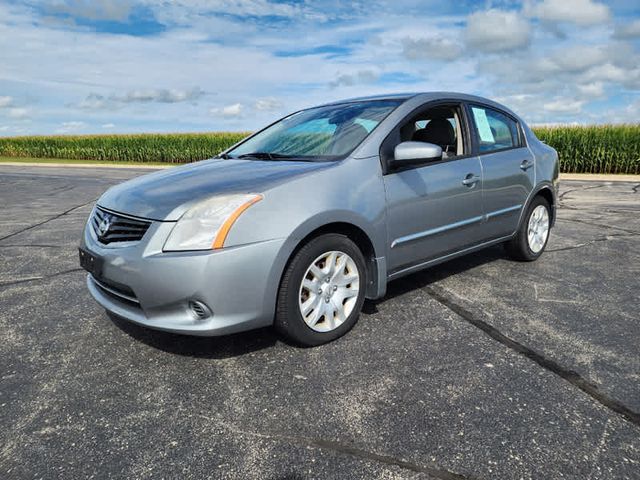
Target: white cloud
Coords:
[[629, 30], [107, 125], [592, 90], [160, 96], [437, 48], [350, 79], [93, 101], [580, 12], [577, 58], [564, 106], [70, 127], [497, 31], [268, 104], [19, 113], [234, 110], [5, 101]]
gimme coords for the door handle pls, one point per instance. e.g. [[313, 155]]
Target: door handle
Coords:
[[526, 165], [470, 180]]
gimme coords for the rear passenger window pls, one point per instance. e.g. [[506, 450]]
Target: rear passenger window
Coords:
[[494, 130]]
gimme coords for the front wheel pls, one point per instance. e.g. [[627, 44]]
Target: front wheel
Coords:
[[533, 234], [322, 291]]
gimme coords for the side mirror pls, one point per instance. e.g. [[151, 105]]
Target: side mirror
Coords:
[[413, 153]]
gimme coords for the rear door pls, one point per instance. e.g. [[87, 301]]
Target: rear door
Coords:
[[507, 165], [434, 208]]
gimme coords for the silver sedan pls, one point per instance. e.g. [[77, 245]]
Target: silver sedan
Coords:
[[297, 224]]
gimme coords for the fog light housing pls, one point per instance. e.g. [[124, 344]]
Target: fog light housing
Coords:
[[199, 310]]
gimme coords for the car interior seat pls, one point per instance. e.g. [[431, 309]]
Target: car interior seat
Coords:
[[438, 131]]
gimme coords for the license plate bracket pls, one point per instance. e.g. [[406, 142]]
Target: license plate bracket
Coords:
[[90, 262]]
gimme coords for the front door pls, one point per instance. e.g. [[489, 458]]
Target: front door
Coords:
[[431, 212], [434, 208]]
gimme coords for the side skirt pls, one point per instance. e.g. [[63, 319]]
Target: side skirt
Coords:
[[430, 263]]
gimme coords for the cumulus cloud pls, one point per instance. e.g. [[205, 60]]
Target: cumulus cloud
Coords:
[[497, 31], [350, 79], [438, 48], [592, 90], [5, 101], [580, 12], [71, 126], [159, 96], [628, 31], [268, 104], [107, 125], [95, 101], [229, 111], [19, 113], [564, 106], [577, 58]]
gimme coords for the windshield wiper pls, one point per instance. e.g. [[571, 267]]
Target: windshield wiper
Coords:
[[264, 155]]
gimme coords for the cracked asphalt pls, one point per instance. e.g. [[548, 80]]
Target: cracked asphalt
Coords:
[[479, 368]]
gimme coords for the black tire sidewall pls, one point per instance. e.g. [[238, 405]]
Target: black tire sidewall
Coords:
[[289, 320]]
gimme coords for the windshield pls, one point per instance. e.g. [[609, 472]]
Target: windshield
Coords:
[[323, 132]]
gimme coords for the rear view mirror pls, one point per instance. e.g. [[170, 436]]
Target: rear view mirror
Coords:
[[411, 153]]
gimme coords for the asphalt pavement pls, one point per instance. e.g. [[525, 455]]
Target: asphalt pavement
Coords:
[[479, 368]]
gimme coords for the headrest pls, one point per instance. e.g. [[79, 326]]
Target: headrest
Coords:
[[438, 131]]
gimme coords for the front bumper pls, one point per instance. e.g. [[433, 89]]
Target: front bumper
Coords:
[[141, 283]]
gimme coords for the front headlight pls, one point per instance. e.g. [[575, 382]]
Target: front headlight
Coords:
[[206, 225]]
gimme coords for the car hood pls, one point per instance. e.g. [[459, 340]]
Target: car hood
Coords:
[[167, 194]]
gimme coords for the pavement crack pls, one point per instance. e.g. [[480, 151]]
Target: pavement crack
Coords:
[[352, 450], [570, 376], [39, 277], [590, 187], [635, 188], [591, 242], [66, 212], [600, 225]]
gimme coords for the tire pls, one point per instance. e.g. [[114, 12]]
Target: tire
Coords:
[[521, 247], [330, 295]]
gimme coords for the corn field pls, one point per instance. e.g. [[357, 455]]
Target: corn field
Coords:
[[163, 148], [595, 149], [582, 149]]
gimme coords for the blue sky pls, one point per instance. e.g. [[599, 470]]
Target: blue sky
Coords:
[[97, 66]]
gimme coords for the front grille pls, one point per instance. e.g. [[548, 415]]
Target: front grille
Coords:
[[111, 227]]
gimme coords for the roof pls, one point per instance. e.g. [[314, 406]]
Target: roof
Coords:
[[425, 96]]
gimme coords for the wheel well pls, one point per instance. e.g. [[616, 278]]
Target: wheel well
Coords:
[[548, 196], [357, 236]]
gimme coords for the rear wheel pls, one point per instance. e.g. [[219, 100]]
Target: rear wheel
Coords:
[[533, 234], [322, 291]]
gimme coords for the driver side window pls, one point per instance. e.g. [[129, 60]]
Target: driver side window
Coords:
[[440, 126]]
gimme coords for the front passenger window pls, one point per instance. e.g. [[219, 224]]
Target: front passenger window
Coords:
[[494, 130]]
